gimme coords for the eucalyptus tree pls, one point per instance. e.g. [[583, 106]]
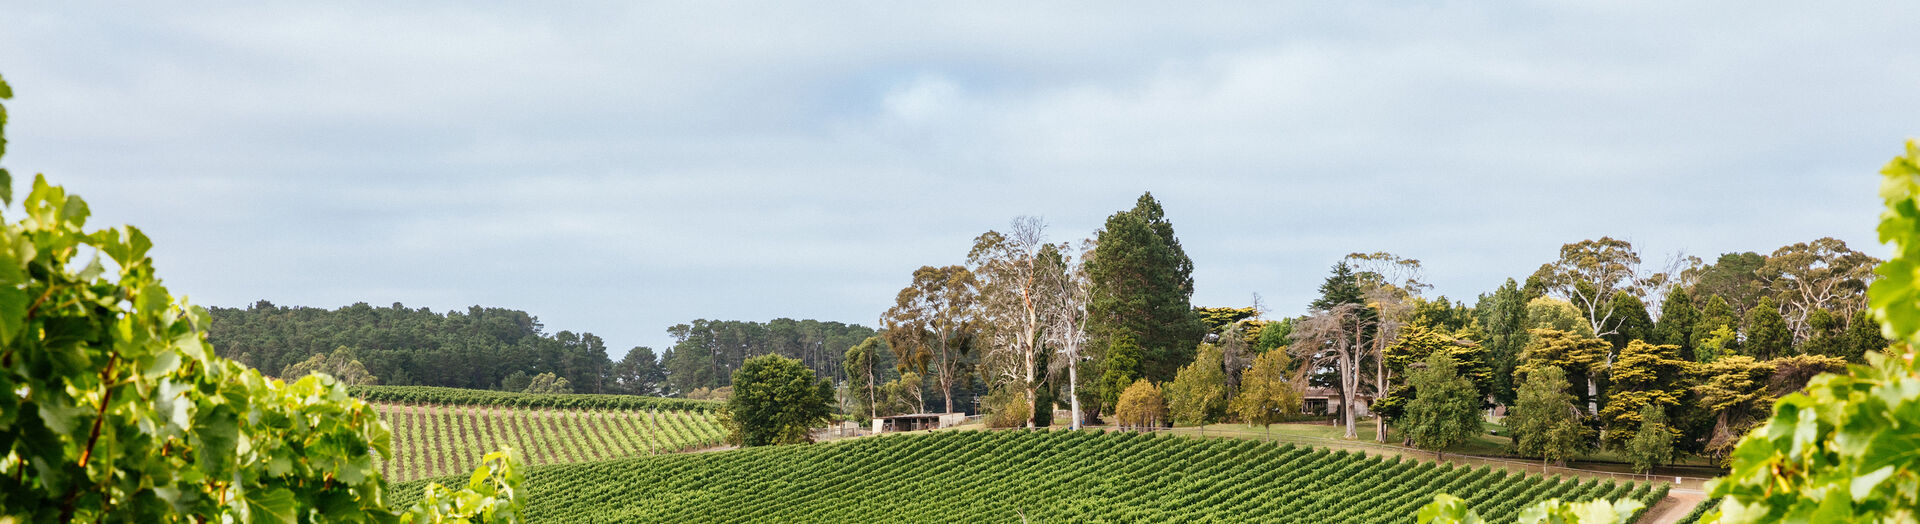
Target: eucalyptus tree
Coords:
[[1014, 282], [1069, 290], [1331, 338], [1822, 274], [1588, 274], [933, 321], [1391, 285]]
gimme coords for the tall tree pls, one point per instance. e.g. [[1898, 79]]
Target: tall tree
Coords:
[[1445, 410], [1067, 316], [935, 316], [1413, 347], [1391, 286], [1863, 336], [1119, 370], [1544, 421], [1143, 287], [1677, 316], [1765, 333], [1588, 274], [862, 364], [1503, 317], [1826, 335], [1013, 282], [1822, 274], [640, 373], [1734, 277], [1331, 339]]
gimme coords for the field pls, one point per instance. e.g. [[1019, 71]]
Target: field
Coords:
[[1047, 476], [448, 439]]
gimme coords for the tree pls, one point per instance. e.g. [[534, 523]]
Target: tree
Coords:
[[1718, 343], [1544, 421], [640, 373], [1574, 354], [1120, 369], [1634, 324], [1718, 313], [1766, 334], [117, 409], [1677, 317], [1014, 280], [1823, 274], [1391, 286], [1418, 343], [340, 364], [1198, 394], [1734, 277], [1826, 335], [1503, 316], [1644, 375], [1266, 396], [933, 320], [1588, 274], [1331, 339], [548, 383], [1844, 449], [863, 374], [1445, 410], [776, 400], [1863, 336], [1734, 388], [1141, 406], [1142, 286], [1550, 313], [1067, 317], [1218, 319], [1652, 444]]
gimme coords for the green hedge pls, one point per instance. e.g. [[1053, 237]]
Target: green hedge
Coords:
[[466, 397]]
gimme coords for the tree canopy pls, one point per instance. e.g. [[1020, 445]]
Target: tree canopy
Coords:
[[776, 400]]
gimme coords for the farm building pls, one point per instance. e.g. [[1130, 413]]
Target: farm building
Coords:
[[917, 421]]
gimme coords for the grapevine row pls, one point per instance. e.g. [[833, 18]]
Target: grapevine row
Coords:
[[431, 440], [478, 397]]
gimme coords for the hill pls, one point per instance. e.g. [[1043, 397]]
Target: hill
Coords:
[[1038, 476], [445, 431]]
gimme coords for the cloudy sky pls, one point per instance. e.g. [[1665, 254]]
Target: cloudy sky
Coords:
[[621, 168]]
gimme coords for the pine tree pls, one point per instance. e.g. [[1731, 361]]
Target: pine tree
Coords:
[[1677, 316], [1765, 334], [1863, 335], [1716, 314], [1143, 287]]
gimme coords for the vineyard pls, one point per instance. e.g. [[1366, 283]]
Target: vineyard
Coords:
[[447, 439], [481, 397], [1012, 476]]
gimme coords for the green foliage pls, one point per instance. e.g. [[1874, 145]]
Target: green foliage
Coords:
[[776, 400], [477, 397], [113, 407], [1716, 344], [1216, 319], [1503, 319], [1632, 320], [432, 440], [1441, 314], [1416, 343], [1545, 423], [1007, 407], [1141, 406], [1846, 448], [1765, 333], [1643, 375], [1579, 355], [1274, 335], [1718, 314], [1041, 476], [1142, 286], [340, 364], [1198, 393], [1556, 314], [1677, 317], [548, 384], [1863, 336], [1266, 396], [475, 348], [862, 364], [1652, 443], [1119, 369], [1445, 410], [706, 351], [1734, 277], [1342, 287], [1448, 509]]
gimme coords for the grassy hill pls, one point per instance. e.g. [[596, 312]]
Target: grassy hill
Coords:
[[449, 437], [1038, 476]]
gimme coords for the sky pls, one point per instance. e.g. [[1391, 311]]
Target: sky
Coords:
[[618, 168]]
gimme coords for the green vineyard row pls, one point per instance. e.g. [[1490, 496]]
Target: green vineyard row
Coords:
[[1045, 476], [480, 397], [432, 440]]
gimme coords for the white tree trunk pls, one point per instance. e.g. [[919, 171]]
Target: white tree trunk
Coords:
[[1073, 396]]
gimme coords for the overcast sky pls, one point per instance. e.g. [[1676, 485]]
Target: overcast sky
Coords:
[[618, 169]]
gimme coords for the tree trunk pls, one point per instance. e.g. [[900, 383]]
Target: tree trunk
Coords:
[[1379, 392], [1073, 395]]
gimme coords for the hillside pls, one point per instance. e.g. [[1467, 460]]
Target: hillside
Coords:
[[1039, 476], [443, 431]]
